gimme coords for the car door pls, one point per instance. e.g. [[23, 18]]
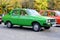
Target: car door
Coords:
[[24, 18], [15, 16]]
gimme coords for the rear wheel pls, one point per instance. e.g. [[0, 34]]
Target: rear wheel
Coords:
[[36, 27], [0, 22], [9, 24]]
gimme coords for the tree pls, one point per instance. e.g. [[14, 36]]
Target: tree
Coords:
[[54, 4], [40, 4]]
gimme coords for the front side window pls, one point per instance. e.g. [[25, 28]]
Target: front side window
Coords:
[[15, 12], [23, 13]]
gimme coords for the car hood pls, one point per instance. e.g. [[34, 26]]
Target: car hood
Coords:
[[47, 17], [44, 17]]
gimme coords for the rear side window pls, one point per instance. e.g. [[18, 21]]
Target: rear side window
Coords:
[[15, 12]]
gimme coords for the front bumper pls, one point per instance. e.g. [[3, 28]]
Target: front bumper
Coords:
[[49, 24]]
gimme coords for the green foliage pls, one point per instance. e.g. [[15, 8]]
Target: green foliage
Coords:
[[54, 4], [40, 4]]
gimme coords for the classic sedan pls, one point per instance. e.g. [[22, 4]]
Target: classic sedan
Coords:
[[52, 14], [27, 17], [0, 19]]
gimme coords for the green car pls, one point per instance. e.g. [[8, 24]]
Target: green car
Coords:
[[27, 17]]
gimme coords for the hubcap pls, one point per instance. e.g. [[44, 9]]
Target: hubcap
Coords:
[[36, 27], [8, 25]]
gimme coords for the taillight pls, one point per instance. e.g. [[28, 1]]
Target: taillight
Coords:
[[0, 17]]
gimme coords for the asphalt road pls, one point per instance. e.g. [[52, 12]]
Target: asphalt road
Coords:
[[17, 33]]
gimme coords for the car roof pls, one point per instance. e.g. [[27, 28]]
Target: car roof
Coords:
[[23, 9]]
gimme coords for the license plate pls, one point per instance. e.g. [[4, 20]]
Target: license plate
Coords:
[[54, 25]]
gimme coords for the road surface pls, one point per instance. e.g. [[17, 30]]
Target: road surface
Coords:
[[17, 33]]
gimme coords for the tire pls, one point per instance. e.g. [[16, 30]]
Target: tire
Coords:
[[46, 27], [0, 22], [36, 27], [9, 24]]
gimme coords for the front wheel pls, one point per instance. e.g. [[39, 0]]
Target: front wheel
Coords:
[[9, 24], [46, 27], [36, 27]]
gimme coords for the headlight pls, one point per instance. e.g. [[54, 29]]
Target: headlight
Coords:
[[48, 20]]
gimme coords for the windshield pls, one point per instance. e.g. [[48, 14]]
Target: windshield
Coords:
[[33, 12], [57, 13]]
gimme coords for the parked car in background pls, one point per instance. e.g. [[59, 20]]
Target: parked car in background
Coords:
[[27, 17], [52, 14], [0, 19]]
